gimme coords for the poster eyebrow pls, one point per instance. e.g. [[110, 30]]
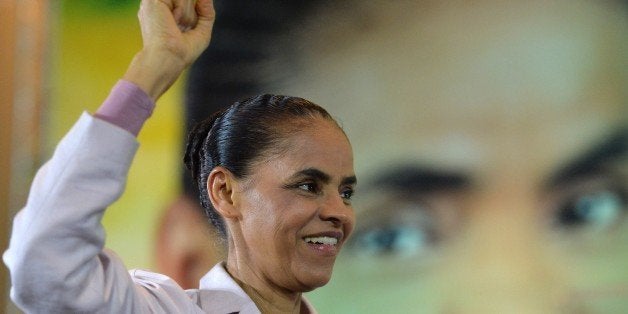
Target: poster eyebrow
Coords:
[[611, 148], [413, 178]]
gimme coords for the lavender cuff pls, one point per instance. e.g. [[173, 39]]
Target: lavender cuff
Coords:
[[127, 106]]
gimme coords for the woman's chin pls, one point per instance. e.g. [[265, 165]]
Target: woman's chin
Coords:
[[314, 280]]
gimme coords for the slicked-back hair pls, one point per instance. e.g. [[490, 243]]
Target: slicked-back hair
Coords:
[[238, 136]]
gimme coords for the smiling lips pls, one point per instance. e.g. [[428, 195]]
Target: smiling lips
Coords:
[[322, 240], [325, 242]]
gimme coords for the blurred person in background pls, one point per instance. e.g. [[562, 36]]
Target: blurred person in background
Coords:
[[491, 141]]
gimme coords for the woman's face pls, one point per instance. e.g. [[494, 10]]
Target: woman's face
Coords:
[[296, 209]]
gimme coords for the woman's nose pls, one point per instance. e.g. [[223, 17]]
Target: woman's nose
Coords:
[[337, 210]]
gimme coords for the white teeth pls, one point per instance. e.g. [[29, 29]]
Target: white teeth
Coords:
[[322, 240]]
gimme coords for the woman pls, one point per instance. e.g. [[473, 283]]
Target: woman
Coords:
[[276, 174]]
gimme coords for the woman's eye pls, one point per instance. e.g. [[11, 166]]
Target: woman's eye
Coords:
[[398, 240], [346, 194], [597, 210]]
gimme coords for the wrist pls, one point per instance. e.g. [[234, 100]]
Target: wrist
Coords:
[[153, 72]]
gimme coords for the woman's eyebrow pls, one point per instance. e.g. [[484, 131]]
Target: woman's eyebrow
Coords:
[[614, 147], [324, 177], [351, 180], [315, 174]]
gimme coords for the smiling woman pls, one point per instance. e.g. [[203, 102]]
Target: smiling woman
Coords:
[[276, 179], [276, 174]]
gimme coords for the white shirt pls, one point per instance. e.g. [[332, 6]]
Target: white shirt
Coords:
[[56, 255]]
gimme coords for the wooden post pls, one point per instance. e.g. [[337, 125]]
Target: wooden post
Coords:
[[23, 40], [7, 68]]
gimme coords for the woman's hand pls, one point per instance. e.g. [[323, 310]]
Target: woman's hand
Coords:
[[174, 34]]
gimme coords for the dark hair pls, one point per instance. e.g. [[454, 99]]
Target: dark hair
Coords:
[[240, 135]]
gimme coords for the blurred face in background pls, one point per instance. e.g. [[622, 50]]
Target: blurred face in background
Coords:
[[491, 142]]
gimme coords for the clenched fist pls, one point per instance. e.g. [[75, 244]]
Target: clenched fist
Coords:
[[174, 34]]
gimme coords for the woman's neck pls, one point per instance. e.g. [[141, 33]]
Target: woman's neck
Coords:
[[267, 297]]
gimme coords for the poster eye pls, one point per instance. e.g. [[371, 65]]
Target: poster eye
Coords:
[[596, 210]]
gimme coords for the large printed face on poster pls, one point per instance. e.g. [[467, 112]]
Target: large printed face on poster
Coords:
[[490, 145], [489, 142]]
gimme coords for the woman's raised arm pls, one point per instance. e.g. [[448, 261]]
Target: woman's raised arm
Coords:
[[56, 255]]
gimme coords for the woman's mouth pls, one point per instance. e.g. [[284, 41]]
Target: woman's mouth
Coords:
[[322, 240], [327, 243]]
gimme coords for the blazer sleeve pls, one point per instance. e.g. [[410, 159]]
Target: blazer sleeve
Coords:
[[56, 254]]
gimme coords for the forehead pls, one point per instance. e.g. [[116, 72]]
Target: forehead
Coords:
[[483, 87], [313, 143]]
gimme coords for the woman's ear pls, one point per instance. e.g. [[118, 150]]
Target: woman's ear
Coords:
[[220, 186]]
